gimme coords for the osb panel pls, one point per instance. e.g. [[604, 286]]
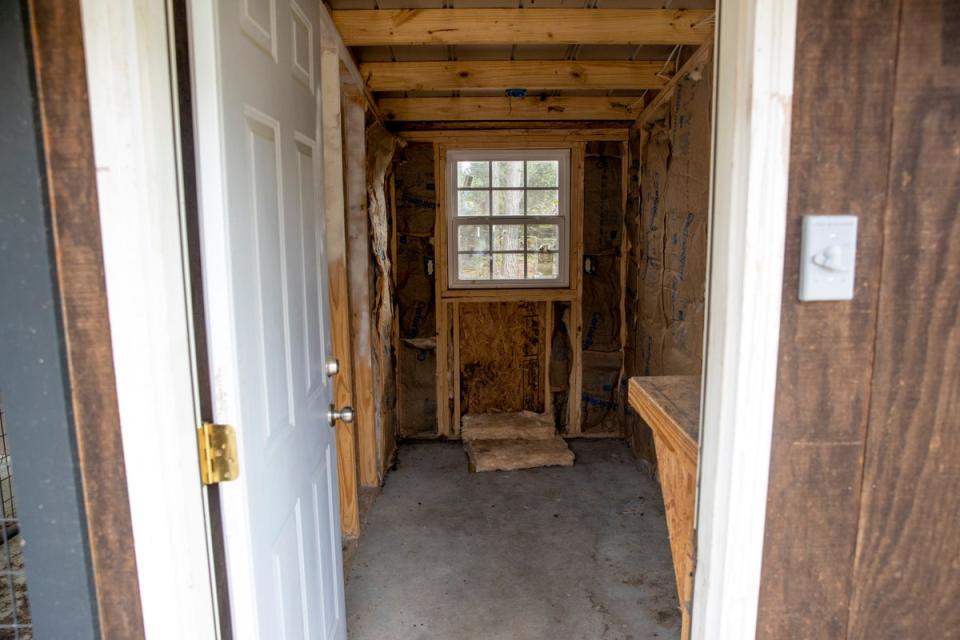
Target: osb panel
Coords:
[[678, 480], [502, 356]]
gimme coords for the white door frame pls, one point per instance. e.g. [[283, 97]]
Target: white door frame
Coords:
[[129, 62], [134, 126], [752, 107]]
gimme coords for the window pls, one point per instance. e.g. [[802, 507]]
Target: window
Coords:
[[508, 218]]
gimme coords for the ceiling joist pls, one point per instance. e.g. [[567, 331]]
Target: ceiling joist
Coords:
[[527, 74], [523, 26], [530, 108]]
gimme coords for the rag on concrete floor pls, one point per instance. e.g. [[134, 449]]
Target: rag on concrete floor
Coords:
[[572, 553]]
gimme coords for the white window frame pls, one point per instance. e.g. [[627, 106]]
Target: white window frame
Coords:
[[454, 221]]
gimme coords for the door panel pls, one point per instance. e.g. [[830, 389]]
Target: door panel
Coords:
[[267, 308]]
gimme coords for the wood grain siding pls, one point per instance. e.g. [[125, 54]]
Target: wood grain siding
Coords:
[[862, 529], [71, 186], [840, 147], [906, 576]]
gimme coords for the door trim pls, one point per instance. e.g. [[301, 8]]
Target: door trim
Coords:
[[752, 105], [135, 133]]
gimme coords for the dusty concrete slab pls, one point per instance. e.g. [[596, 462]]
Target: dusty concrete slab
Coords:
[[578, 553]]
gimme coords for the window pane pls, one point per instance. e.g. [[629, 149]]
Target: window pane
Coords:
[[474, 174], [473, 203], [508, 266], [543, 203], [543, 237], [473, 237], [543, 266], [508, 173], [508, 203], [473, 266], [543, 173], [508, 237]]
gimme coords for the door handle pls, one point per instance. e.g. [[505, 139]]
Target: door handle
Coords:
[[344, 415], [331, 367]]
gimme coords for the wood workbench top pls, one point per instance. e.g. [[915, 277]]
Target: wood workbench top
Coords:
[[671, 406]]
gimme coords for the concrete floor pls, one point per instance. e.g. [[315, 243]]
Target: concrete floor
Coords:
[[557, 553]]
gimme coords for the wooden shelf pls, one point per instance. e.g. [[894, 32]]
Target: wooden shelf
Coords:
[[670, 405]]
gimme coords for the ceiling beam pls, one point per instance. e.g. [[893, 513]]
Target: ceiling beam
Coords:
[[523, 26], [528, 74], [531, 108]]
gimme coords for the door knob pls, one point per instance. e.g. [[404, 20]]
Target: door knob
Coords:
[[331, 367], [344, 415]]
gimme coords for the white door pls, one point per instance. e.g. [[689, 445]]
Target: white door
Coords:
[[256, 82]]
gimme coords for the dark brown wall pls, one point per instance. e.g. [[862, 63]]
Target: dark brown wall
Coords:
[[863, 515]]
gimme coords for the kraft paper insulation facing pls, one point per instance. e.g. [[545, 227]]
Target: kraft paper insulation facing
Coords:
[[513, 441], [602, 357], [381, 147], [668, 209], [415, 194]]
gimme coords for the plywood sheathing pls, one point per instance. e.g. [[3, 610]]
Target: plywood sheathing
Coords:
[[415, 202], [381, 147], [667, 238], [601, 357], [521, 425], [501, 356], [671, 406]]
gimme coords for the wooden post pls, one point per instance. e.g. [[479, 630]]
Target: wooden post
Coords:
[[576, 281], [333, 195], [359, 277], [440, 282]]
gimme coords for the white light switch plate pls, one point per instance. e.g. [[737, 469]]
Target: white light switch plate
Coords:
[[828, 255]]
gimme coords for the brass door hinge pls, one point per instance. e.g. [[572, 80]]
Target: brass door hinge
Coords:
[[218, 453]]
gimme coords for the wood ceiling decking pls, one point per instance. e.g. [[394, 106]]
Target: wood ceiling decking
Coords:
[[430, 61]]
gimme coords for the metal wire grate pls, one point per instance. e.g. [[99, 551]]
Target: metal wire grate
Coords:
[[14, 606]]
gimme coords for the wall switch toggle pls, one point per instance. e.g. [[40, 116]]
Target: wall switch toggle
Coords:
[[827, 256]]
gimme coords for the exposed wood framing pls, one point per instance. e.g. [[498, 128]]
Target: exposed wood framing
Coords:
[[457, 399], [496, 295], [503, 74], [697, 59], [547, 355], [552, 136], [624, 260], [331, 36], [334, 205], [502, 108], [440, 283], [576, 280], [413, 128], [359, 278], [523, 26]]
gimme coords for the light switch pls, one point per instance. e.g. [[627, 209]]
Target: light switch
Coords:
[[828, 253]]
